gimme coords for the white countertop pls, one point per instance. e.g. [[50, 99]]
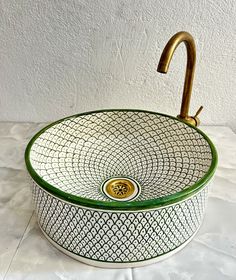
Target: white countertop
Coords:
[[26, 254]]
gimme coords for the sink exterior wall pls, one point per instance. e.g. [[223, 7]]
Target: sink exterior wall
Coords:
[[118, 238]]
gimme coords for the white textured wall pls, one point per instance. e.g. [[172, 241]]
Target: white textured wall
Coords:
[[61, 57]]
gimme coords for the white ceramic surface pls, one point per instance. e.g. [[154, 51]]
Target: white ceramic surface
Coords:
[[26, 254], [69, 160]]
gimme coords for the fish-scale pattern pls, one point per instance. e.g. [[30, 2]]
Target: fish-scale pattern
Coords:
[[116, 236], [79, 153]]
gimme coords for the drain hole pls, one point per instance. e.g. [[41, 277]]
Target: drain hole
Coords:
[[121, 189]]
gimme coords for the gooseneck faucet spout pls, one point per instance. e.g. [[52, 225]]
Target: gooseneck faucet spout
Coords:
[[191, 61]]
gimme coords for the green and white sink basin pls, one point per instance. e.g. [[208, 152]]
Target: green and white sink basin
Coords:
[[120, 188]]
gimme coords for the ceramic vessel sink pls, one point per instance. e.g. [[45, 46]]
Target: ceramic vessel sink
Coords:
[[123, 188], [119, 188]]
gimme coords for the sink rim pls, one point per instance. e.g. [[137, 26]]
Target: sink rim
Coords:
[[115, 205]]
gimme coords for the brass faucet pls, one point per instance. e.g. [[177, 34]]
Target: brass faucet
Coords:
[[191, 61]]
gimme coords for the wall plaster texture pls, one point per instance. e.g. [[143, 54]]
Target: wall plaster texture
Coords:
[[59, 58]]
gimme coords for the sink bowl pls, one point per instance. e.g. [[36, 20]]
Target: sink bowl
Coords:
[[120, 188]]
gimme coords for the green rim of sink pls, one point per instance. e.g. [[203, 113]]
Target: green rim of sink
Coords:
[[114, 205]]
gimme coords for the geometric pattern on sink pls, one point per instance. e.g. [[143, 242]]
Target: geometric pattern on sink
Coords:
[[162, 154], [70, 160], [136, 237]]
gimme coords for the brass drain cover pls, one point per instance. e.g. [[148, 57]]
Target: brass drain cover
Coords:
[[121, 189]]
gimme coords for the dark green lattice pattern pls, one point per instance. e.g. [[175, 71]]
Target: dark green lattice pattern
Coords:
[[118, 236], [162, 154]]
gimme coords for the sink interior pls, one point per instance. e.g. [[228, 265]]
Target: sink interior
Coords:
[[159, 153]]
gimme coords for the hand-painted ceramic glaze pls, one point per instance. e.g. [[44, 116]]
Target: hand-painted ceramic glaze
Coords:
[[120, 188]]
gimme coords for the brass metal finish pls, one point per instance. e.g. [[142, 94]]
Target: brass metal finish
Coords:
[[191, 61], [120, 188]]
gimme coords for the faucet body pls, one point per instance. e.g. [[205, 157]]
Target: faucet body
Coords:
[[191, 61]]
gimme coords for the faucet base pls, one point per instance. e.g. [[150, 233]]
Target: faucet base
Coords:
[[190, 120]]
